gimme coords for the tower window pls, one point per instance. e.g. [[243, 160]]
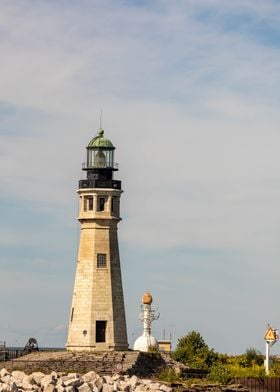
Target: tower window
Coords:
[[88, 203], [72, 314], [101, 204], [114, 204], [101, 260], [100, 331]]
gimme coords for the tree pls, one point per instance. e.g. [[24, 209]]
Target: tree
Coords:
[[253, 356], [193, 351]]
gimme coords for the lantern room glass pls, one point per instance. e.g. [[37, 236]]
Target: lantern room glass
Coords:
[[100, 158]]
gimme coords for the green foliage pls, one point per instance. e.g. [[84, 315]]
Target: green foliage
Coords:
[[274, 370], [226, 368], [253, 357], [152, 349], [220, 373], [193, 351], [253, 371], [168, 375]]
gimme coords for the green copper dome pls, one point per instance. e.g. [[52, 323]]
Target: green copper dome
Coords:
[[100, 141]]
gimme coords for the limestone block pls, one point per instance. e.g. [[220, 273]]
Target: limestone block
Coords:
[[49, 388], [107, 388], [117, 377], [18, 376], [70, 389], [37, 377], [73, 382], [154, 386], [99, 383], [14, 387], [108, 380], [93, 387], [90, 376], [54, 375], [85, 387], [47, 380], [141, 388], [59, 388], [134, 382], [4, 388], [7, 379], [123, 386], [27, 382], [165, 388], [4, 372]]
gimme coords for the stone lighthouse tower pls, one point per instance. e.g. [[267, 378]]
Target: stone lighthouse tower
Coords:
[[97, 319]]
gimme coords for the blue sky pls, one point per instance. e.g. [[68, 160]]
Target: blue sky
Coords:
[[190, 97]]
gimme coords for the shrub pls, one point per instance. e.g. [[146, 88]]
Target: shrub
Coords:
[[193, 351], [219, 373], [168, 375]]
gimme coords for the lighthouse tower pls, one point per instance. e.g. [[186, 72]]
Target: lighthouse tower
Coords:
[[97, 318]]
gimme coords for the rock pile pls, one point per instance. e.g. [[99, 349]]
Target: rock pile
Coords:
[[18, 381]]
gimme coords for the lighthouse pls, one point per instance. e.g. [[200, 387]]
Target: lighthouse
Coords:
[[97, 317]]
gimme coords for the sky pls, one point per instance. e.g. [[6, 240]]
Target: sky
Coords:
[[189, 91]]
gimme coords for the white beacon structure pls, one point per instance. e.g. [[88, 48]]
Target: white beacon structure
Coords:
[[146, 341]]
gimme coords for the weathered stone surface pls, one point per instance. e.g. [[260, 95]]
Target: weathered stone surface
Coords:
[[99, 383], [49, 388], [7, 379], [165, 388], [59, 388], [154, 386], [123, 386], [107, 388], [93, 288], [88, 377], [4, 388], [85, 387], [134, 381], [69, 388], [47, 380], [37, 377], [141, 388], [18, 376], [14, 387], [3, 372], [70, 376], [93, 387], [73, 382]]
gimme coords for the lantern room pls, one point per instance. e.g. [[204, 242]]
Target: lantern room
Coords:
[[100, 153]]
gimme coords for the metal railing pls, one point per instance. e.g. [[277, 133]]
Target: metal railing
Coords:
[[111, 184], [99, 165]]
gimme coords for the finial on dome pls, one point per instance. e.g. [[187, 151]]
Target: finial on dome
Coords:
[[101, 132], [147, 299]]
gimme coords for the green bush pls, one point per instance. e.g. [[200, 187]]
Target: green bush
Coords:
[[253, 357], [253, 371], [274, 370], [193, 351], [220, 373], [168, 375]]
